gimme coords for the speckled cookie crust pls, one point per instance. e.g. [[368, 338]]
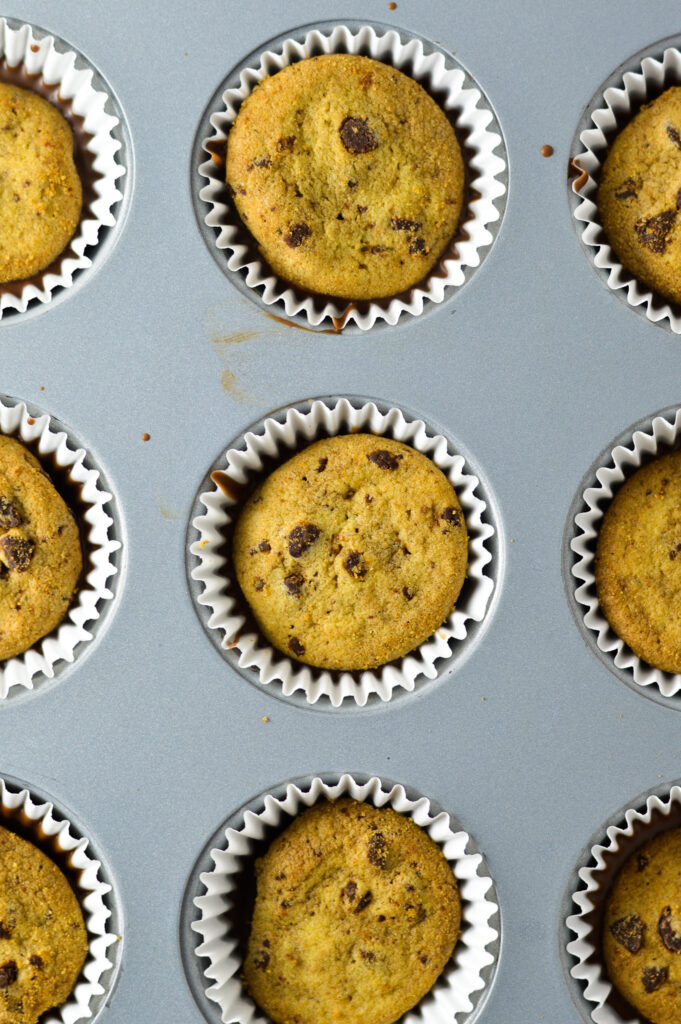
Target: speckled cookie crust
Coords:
[[348, 175], [642, 930], [357, 912], [40, 191], [639, 197], [43, 941], [638, 563], [40, 555], [351, 553]]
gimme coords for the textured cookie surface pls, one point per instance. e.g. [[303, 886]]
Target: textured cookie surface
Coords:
[[351, 553], [357, 912], [348, 174], [638, 563], [640, 195], [40, 191], [43, 941], [40, 556], [642, 930]]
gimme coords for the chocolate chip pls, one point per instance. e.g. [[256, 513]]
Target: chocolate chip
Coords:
[[653, 977], [9, 517], [678, 200], [652, 233], [354, 565], [418, 247], [670, 938], [423, 958], [407, 593], [366, 954], [294, 583], [672, 554], [296, 646], [261, 961], [452, 515], [264, 545], [375, 250], [674, 135], [286, 145], [368, 499], [403, 224], [362, 209], [381, 918], [384, 460], [628, 931], [297, 234], [349, 892], [263, 161], [352, 184], [322, 465], [8, 973], [258, 584], [377, 850], [357, 136], [641, 861], [364, 902], [35, 960], [5, 932], [18, 552], [629, 187], [301, 538]]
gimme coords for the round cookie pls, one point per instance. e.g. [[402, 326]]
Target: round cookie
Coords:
[[639, 197], [642, 930], [348, 175], [40, 191], [40, 555], [351, 553], [43, 941], [356, 914], [638, 563]]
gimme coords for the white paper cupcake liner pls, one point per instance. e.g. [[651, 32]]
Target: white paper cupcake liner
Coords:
[[61, 644], [606, 857], [48, 829], [636, 449], [645, 80], [455, 994], [300, 428], [40, 56], [486, 168]]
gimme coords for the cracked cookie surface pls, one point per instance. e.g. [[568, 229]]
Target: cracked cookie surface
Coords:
[[352, 552], [40, 554], [356, 914], [43, 941], [348, 174]]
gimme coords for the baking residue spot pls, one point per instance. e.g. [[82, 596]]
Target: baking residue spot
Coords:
[[146, 437], [228, 378], [547, 150], [264, 718], [166, 511]]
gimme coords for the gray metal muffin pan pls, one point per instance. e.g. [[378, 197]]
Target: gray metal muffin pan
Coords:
[[153, 740]]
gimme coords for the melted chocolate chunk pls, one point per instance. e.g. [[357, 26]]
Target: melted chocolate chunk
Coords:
[[652, 233], [653, 977], [297, 234], [357, 136], [674, 135], [18, 552], [9, 517], [286, 145], [261, 961], [322, 465], [670, 938], [258, 584], [403, 224], [364, 902], [628, 931], [641, 861], [377, 850], [294, 583], [384, 460], [264, 545], [349, 892], [452, 515], [366, 954], [35, 960], [5, 931], [407, 593], [629, 188], [8, 973], [296, 646], [352, 184], [423, 958], [678, 200], [301, 538], [262, 161], [418, 247], [354, 565]]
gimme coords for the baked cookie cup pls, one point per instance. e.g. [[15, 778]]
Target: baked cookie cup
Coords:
[[219, 899], [61, 216], [59, 548], [38, 966], [229, 489], [465, 240], [621, 933], [620, 560], [625, 180]]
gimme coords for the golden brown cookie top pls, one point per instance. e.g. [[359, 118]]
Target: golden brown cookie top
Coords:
[[642, 930], [351, 553], [43, 941], [639, 197], [357, 912], [40, 554], [40, 191], [638, 563], [348, 174]]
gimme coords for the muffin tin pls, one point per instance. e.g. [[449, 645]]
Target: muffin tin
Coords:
[[150, 741]]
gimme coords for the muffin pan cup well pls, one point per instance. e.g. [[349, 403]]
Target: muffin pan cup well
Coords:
[[218, 599], [631, 827], [638, 445], [216, 901], [462, 100], [66, 462], [36, 819], [639, 80], [86, 99]]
